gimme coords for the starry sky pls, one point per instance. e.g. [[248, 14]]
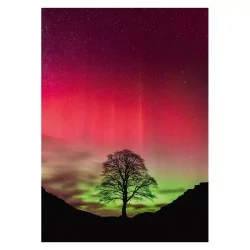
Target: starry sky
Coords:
[[124, 78]]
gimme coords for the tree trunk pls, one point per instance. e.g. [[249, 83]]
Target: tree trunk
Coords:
[[124, 214]]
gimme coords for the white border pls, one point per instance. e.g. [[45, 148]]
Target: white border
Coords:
[[126, 3], [20, 122]]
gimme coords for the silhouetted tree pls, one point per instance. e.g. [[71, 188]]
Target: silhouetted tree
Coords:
[[125, 177]]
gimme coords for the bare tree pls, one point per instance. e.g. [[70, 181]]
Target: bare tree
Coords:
[[125, 177]]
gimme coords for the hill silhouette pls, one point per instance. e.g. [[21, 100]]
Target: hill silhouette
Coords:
[[184, 220]]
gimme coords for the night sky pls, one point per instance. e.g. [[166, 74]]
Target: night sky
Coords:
[[124, 78]]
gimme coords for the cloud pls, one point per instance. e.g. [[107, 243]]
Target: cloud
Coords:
[[70, 184], [64, 193], [161, 205], [137, 206], [171, 191], [84, 205], [79, 155], [67, 165], [61, 177], [91, 179], [70, 173], [92, 205], [54, 149], [68, 180], [69, 194], [75, 202], [52, 144], [65, 186]]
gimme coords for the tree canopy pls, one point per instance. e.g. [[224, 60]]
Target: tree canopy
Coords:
[[125, 177]]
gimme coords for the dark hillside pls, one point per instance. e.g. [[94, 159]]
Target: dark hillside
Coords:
[[185, 219]]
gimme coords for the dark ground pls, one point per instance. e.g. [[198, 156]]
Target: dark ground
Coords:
[[184, 220]]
